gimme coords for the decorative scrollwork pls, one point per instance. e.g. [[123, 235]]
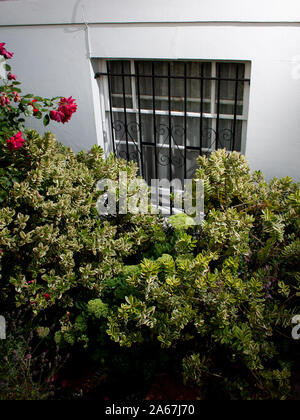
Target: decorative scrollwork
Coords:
[[209, 136], [134, 156], [127, 136], [133, 129], [211, 140], [163, 159], [225, 138], [129, 132], [164, 134], [123, 155], [119, 127]]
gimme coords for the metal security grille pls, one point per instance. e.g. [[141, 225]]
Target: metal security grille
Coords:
[[164, 114]]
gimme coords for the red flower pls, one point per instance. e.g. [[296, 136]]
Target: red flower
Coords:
[[17, 97], [5, 53], [35, 110], [15, 142], [11, 76], [4, 100], [66, 108], [56, 116], [47, 296]]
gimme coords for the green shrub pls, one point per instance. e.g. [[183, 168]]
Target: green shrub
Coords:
[[218, 297], [55, 249], [225, 298]]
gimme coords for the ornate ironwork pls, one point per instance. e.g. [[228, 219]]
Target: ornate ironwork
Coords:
[[163, 133], [170, 146]]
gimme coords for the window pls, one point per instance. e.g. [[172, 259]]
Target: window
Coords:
[[163, 114]]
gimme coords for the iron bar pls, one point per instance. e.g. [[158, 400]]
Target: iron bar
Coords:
[[201, 109], [175, 77], [110, 107], [125, 113], [154, 119], [185, 118], [170, 134], [235, 107], [140, 119], [218, 107]]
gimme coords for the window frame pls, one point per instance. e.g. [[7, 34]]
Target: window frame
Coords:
[[107, 109]]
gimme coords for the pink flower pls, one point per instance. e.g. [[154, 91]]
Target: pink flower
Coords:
[[15, 142], [56, 116], [66, 108], [4, 52], [47, 296], [17, 97], [11, 76], [4, 100]]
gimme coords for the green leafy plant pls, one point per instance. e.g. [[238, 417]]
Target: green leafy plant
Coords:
[[55, 249], [225, 298]]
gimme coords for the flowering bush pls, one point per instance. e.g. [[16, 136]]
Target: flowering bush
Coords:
[[14, 107], [11, 116]]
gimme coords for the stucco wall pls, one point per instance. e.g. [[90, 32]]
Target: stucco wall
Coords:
[[108, 11], [52, 57]]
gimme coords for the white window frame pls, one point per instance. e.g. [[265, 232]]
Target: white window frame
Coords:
[[105, 106]]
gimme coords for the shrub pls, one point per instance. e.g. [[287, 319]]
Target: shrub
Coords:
[[56, 252], [219, 297], [225, 298]]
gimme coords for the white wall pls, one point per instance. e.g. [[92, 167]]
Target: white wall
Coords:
[[53, 59], [120, 11]]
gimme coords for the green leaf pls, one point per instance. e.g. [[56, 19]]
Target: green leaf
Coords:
[[7, 67], [38, 115], [46, 120], [37, 106]]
